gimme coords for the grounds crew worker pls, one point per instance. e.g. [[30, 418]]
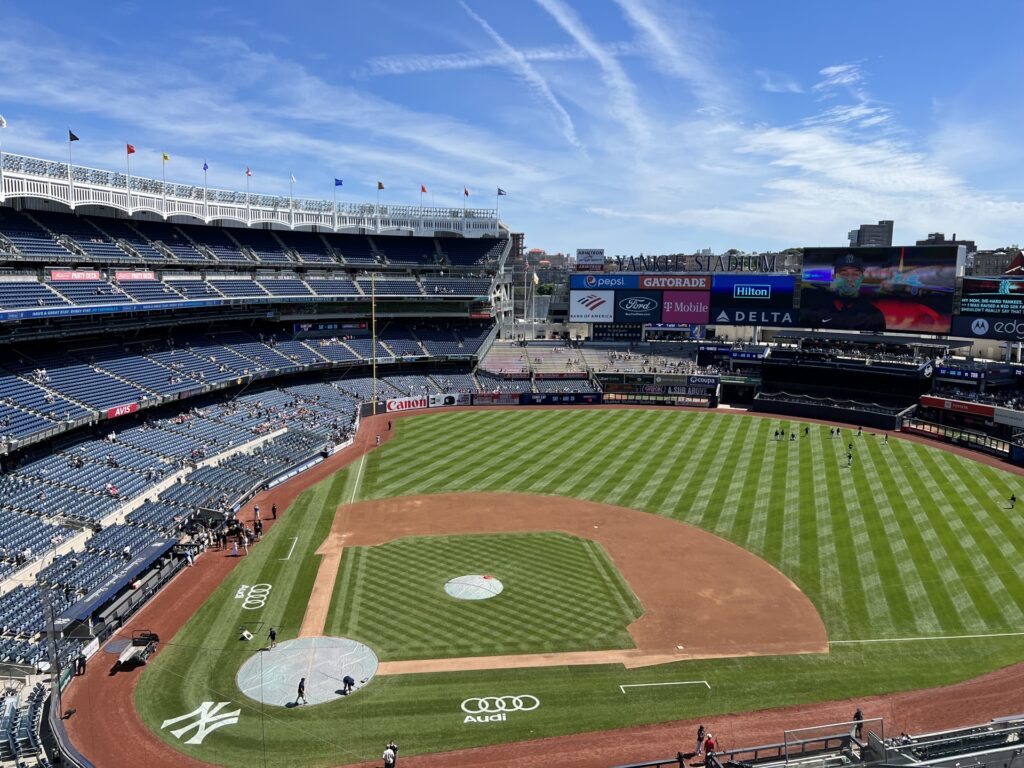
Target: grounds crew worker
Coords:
[[842, 306]]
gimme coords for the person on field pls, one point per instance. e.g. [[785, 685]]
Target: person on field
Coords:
[[347, 684], [1013, 500], [256, 512], [710, 746], [858, 719], [273, 511], [272, 634], [700, 741], [390, 755], [849, 459], [302, 692]]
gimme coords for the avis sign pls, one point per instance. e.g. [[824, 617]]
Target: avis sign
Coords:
[[496, 709]]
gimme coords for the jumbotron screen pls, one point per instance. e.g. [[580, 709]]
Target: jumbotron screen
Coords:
[[904, 289]]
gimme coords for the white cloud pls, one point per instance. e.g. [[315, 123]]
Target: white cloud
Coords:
[[623, 101], [537, 84], [777, 82], [407, 64]]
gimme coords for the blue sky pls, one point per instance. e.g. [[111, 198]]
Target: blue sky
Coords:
[[634, 125]]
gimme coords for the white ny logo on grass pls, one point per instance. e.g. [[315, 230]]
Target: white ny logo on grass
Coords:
[[208, 721]]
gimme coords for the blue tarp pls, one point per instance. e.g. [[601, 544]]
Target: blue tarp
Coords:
[[114, 583]]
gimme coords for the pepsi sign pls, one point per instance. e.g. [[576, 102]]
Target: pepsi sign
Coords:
[[595, 282]]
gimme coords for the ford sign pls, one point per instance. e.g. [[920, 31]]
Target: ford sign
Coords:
[[637, 304]]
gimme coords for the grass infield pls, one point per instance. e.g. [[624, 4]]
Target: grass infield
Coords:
[[910, 542], [562, 593]]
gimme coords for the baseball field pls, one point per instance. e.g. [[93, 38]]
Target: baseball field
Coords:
[[760, 573]]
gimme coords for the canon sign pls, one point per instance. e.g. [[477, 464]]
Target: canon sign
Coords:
[[408, 403]]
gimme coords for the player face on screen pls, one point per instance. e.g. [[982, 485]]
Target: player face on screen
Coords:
[[847, 281]]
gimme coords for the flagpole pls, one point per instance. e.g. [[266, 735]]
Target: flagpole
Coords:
[[206, 205], [376, 213], [163, 170], [248, 199], [373, 323], [3, 124], [334, 210], [291, 199], [71, 176], [128, 163]]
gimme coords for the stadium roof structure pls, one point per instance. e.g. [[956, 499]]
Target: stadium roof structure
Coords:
[[76, 186], [874, 338]]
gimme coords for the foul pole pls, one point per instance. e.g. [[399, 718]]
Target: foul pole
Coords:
[[373, 331]]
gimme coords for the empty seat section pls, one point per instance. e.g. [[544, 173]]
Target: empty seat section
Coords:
[[149, 290], [29, 238], [309, 246], [89, 292], [235, 288], [469, 251], [335, 286], [99, 246], [391, 286], [18, 294], [263, 243], [355, 249], [172, 239], [194, 289], [407, 250], [285, 287]]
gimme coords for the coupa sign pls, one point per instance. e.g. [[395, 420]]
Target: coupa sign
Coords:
[[408, 403], [496, 709]]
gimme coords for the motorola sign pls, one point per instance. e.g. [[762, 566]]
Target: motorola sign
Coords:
[[989, 327]]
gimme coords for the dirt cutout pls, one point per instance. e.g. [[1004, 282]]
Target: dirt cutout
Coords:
[[703, 596]]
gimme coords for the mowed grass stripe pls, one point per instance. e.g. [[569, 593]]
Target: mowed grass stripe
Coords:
[[893, 518]]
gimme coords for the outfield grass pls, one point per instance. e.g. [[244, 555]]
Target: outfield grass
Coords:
[[910, 542], [561, 593]]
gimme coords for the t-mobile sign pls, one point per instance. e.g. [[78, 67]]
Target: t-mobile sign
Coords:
[[685, 307]]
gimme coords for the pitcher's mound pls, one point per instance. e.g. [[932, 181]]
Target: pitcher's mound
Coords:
[[272, 676], [473, 587]]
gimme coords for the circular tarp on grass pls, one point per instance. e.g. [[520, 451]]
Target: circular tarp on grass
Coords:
[[272, 675], [473, 587]]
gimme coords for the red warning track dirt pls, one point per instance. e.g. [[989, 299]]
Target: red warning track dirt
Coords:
[[106, 727]]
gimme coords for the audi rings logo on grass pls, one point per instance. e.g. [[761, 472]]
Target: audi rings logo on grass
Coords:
[[254, 596], [495, 709]]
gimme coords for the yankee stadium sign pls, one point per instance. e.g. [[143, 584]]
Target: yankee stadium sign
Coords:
[[681, 262]]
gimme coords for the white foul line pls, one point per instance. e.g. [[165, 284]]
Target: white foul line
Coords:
[[933, 637], [678, 682], [359, 474], [294, 540]]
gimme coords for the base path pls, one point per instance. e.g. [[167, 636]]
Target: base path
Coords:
[[702, 595]]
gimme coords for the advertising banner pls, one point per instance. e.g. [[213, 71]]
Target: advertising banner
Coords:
[[455, 398], [566, 398], [408, 403], [638, 306], [752, 300], [685, 307], [988, 327], [591, 306], [74, 274], [603, 282], [589, 259], [960, 406], [126, 276], [496, 398], [122, 410], [908, 289], [992, 296], [675, 282]]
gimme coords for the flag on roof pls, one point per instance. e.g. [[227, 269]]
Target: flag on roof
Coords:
[[293, 178], [339, 183], [248, 171], [130, 149], [465, 191], [502, 191], [423, 189], [71, 136], [3, 122], [536, 280], [205, 166], [380, 185], [165, 156]]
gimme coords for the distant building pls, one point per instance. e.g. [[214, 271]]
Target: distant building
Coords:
[[937, 238], [872, 234], [1005, 261]]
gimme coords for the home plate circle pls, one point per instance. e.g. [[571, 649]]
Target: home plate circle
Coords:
[[272, 675], [473, 587]]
